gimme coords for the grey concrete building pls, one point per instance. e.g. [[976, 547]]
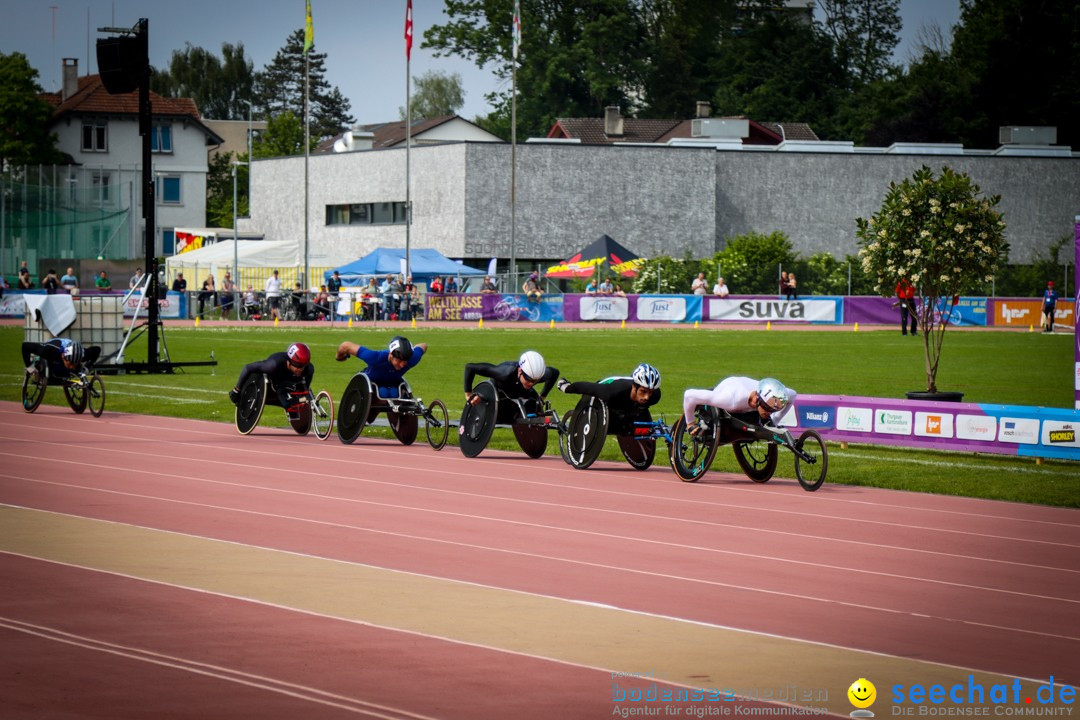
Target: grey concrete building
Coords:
[[654, 199]]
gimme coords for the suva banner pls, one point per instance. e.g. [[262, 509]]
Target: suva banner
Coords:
[[759, 310]]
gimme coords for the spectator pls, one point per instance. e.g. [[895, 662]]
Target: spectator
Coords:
[[451, 284], [333, 286], [322, 303], [70, 282], [370, 300], [905, 293], [411, 303], [1050, 298], [51, 283], [25, 282], [208, 293], [784, 283], [297, 301], [531, 286], [401, 304], [720, 289], [136, 279], [179, 284], [251, 304], [103, 283], [273, 295], [228, 292], [619, 292], [606, 288], [592, 288], [489, 286], [386, 288], [436, 285], [700, 285], [792, 292]]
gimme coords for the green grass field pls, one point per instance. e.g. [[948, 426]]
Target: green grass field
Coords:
[[993, 367]]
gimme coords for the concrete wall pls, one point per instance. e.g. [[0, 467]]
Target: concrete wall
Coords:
[[653, 200]]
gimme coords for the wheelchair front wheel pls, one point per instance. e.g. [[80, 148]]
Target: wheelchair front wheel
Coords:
[[323, 415], [811, 475], [95, 396], [33, 389], [437, 424]]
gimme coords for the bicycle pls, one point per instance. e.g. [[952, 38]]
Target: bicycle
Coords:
[[361, 404], [81, 390], [754, 445]]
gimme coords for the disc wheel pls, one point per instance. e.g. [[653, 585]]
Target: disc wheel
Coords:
[[33, 390], [811, 475], [587, 431], [96, 396], [757, 458], [323, 415], [564, 437], [252, 401], [437, 425], [76, 397], [692, 456], [354, 408], [639, 453], [478, 421]]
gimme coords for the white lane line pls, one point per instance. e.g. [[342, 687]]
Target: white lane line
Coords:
[[301, 692]]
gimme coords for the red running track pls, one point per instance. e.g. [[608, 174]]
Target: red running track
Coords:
[[976, 585]]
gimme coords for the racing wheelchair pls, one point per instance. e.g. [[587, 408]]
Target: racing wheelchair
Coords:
[[587, 428], [755, 447], [361, 404], [305, 409], [530, 419], [82, 390]]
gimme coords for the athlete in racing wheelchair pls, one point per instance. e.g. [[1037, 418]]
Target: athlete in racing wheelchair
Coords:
[[745, 413], [617, 406], [284, 380], [508, 397], [64, 362], [381, 387]]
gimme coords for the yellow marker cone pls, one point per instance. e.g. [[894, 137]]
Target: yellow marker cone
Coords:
[[350, 321], [1031, 328], [413, 323], [623, 324], [196, 321], [480, 323], [552, 323], [276, 321], [695, 324], [768, 325], [856, 327]]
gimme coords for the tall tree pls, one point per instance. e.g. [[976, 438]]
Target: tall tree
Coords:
[[284, 135], [436, 94], [23, 116], [220, 88], [575, 57], [280, 88], [865, 32]]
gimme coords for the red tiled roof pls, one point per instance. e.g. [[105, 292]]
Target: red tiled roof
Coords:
[[92, 97], [389, 134]]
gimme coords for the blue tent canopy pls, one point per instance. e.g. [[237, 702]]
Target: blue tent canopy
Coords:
[[424, 264]]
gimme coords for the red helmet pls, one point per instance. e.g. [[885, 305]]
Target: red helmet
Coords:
[[299, 354]]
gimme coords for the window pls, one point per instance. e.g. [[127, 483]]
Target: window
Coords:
[[383, 213], [168, 189], [101, 187], [95, 137], [161, 139]]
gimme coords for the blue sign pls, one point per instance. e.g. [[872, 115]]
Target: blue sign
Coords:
[[817, 416]]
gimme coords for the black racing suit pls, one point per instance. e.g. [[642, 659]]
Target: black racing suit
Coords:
[[52, 352], [622, 411], [505, 377], [282, 379]]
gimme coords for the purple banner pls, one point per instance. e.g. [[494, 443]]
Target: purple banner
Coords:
[[1076, 316], [965, 427]]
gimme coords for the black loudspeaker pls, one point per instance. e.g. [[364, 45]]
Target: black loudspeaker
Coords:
[[121, 63]]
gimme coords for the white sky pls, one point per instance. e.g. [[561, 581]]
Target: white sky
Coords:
[[363, 39]]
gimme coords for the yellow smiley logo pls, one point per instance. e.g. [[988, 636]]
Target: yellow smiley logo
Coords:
[[862, 693]]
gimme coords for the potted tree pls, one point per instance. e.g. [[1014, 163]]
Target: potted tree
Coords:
[[943, 236]]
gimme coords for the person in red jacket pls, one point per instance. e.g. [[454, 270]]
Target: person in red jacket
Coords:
[[905, 293]]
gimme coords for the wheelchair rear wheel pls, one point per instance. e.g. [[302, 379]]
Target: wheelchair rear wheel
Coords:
[[692, 456], [757, 458], [33, 388]]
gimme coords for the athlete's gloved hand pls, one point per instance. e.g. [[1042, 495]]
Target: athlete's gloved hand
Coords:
[[562, 384], [234, 395]]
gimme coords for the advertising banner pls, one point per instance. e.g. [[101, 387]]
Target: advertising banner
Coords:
[[818, 310], [1076, 319], [453, 307], [518, 308], [967, 311], [965, 427], [603, 307], [668, 308], [171, 307], [1025, 312]]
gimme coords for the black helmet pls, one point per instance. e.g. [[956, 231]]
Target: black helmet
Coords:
[[73, 352], [401, 348]]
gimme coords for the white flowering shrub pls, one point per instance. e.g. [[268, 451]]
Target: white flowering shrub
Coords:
[[944, 237]]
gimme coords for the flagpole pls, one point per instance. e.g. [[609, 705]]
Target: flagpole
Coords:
[[516, 40], [307, 153], [408, 140]]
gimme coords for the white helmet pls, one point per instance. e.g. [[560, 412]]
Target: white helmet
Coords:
[[647, 376], [531, 363], [773, 393]]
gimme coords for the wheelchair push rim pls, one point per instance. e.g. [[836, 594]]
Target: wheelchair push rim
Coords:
[[586, 432], [691, 457]]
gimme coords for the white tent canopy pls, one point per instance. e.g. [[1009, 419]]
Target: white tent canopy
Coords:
[[249, 254]]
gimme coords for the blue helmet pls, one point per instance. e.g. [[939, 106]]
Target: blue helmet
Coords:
[[73, 353]]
